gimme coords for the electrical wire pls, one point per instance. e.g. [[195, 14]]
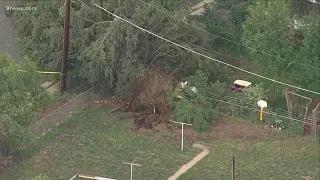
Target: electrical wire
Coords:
[[212, 51], [183, 47], [214, 96], [226, 39]]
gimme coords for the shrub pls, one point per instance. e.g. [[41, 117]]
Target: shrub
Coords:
[[248, 98], [20, 98], [196, 107]]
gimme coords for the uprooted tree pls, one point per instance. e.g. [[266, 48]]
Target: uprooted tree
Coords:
[[107, 51], [157, 96], [148, 96], [112, 53]]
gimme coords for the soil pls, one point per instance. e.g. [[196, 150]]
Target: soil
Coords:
[[148, 98], [224, 128], [45, 111], [221, 129], [110, 102], [42, 160]]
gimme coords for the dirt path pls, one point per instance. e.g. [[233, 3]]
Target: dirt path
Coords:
[[64, 112], [190, 164]]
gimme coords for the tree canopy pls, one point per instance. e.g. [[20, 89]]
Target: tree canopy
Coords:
[[107, 51], [283, 46]]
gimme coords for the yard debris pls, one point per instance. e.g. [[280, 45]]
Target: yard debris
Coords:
[[6, 161]]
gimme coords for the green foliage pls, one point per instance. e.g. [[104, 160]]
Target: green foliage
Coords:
[[41, 177], [255, 94], [107, 51], [40, 32], [225, 19], [196, 108], [270, 27], [249, 97], [20, 97]]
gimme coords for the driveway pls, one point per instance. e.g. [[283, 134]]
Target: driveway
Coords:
[[7, 36]]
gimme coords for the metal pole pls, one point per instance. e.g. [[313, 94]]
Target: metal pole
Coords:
[[261, 111], [181, 131], [232, 170], [182, 138], [131, 168], [65, 48], [131, 172], [276, 118]]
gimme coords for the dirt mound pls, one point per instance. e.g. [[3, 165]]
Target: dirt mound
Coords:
[[149, 96]]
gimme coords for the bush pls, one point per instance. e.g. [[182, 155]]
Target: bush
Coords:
[[248, 98], [196, 107], [193, 109], [20, 98]]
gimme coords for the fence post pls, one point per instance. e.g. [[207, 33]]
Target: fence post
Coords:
[[315, 119], [276, 118], [232, 168]]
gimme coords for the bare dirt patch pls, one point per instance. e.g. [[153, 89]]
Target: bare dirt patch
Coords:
[[222, 129], [226, 128], [43, 160], [53, 106]]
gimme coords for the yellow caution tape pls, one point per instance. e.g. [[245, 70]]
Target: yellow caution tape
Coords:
[[42, 72]]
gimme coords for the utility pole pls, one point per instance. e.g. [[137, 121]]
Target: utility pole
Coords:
[[65, 48]]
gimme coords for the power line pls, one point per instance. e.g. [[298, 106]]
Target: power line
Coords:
[[209, 50], [215, 35], [183, 47]]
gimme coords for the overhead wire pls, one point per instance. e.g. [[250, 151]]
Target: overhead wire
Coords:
[[40, 72], [213, 96], [195, 52], [216, 52], [226, 39]]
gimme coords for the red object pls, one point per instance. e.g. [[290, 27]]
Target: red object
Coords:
[[235, 87], [307, 127]]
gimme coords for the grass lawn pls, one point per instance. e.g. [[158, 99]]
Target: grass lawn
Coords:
[[279, 157], [93, 143], [96, 143]]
